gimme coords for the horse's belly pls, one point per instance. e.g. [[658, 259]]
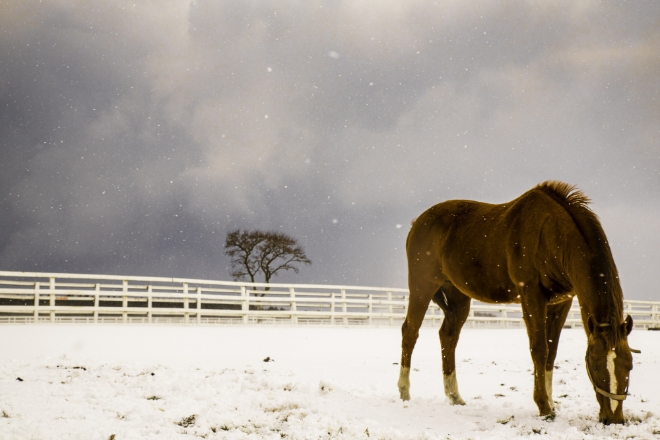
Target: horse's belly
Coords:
[[490, 294], [481, 279], [557, 298]]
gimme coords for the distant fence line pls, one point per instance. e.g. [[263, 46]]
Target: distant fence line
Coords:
[[33, 297]]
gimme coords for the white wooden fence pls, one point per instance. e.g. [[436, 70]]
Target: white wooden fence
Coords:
[[76, 298]]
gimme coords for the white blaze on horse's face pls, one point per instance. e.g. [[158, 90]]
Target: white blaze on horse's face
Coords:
[[609, 368], [611, 355]]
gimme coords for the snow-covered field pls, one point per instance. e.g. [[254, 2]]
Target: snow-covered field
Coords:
[[166, 382]]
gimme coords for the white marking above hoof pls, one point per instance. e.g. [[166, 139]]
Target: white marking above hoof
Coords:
[[404, 383], [548, 388], [451, 389]]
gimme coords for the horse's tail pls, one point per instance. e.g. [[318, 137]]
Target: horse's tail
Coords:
[[412, 223]]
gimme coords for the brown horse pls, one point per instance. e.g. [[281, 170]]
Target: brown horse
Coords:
[[538, 250]]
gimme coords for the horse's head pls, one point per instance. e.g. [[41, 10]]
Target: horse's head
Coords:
[[609, 361]]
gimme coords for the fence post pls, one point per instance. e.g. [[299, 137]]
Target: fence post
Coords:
[[52, 299], [655, 317], [186, 314], [332, 308], [244, 304], [573, 312], [343, 306], [96, 303], [405, 305], [389, 307], [371, 307], [199, 305], [294, 309], [36, 302], [124, 302], [150, 302], [505, 316]]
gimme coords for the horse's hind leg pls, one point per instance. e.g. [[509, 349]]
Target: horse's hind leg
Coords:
[[456, 307], [554, 323], [421, 293]]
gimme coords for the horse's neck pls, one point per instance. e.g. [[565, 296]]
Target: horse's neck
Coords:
[[597, 287]]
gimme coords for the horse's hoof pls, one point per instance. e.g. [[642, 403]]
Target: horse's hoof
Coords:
[[550, 417], [547, 413], [456, 401], [405, 395], [545, 408]]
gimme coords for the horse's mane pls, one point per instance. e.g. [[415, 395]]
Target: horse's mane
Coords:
[[576, 203], [569, 194]]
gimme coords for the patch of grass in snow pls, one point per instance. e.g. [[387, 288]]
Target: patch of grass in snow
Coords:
[[187, 421], [505, 421], [527, 431], [153, 398], [283, 407], [635, 419], [325, 387], [253, 428], [112, 437], [5, 415]]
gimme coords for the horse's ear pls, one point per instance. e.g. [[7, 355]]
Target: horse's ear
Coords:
[[592, 324], [627, 325]]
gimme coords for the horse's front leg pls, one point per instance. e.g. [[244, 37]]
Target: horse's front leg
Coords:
[[554, 323], [534, 309]]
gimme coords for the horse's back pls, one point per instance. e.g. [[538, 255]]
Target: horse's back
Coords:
[[485, 249], [450, 220], [468, 221]]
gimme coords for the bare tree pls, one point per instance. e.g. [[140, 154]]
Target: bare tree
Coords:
[[257, 251]]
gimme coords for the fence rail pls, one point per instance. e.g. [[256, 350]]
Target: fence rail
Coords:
[[76, 298]]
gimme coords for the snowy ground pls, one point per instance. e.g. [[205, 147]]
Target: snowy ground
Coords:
[[176, 382]]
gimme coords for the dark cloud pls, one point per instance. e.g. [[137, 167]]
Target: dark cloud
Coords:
[[134, 135]]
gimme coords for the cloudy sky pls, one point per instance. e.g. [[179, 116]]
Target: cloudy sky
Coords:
[[135, 134]]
